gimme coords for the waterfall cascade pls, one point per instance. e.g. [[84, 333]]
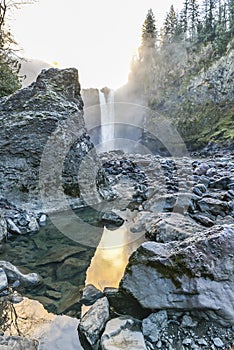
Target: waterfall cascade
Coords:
[[106, 100]]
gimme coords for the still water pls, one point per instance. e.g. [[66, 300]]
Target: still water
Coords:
[[66, 266]]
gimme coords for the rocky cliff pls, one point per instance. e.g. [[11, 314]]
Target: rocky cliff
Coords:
[[44, 146], [192, 88]]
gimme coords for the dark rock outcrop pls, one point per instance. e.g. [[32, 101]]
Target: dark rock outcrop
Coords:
[[44, 145], [196, 274]]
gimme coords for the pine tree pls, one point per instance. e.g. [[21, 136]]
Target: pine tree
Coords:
[[170, 25], [230, 7], [209, 19], [184, 17], [149, 31], [9, 67], [193, 17]]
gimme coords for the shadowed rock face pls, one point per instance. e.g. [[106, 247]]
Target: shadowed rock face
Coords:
[[43, 131], [196, 274]]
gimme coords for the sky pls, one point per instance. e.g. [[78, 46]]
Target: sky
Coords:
[[99, 37]]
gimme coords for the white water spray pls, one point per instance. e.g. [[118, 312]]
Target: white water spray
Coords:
[[106, 101]]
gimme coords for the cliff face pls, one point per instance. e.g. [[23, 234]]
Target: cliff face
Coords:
[[191, 88], [44, 146]]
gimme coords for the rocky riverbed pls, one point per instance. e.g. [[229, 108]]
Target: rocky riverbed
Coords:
[[177, 289]]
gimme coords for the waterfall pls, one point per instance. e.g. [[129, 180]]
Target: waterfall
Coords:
[[106, 100]]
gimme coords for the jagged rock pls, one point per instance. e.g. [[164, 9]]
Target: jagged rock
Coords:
[[3, 228], [19, 221], [43, 131], [112, 218], [165, 227], [153, 325], [122, 333], [120, 303], [90, 295], [213, 206], [13, 274], [194, 274], [17, 343], [93, 323]]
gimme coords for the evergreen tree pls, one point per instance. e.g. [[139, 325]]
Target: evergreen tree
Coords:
[[147, 52], [9, 65], [230, 7], [193, 17], [149, 31], [170, 26], [209, 19], [184, 17]]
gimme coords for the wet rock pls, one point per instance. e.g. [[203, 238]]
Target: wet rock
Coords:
[[194, 274], [93, 323], [70, 268], [153, 325], [122, 333], [19, 221], [18, 343], [12, 227], [55, 256], [42, 220], [112, 218], [3, 280], [14, 274], [90, 295], [3, 228]]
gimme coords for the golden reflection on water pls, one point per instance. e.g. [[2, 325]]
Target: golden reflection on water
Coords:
[[111, 257]]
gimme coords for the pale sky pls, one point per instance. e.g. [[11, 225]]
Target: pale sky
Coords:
[[99, 37]]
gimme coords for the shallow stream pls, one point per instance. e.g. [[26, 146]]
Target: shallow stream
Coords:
[[67, 256]]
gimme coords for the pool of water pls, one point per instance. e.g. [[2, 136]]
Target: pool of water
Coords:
[[67, 254]]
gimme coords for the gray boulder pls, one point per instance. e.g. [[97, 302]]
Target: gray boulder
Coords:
[[122, 333], [93, 323], [190, 275], [44, 145], [13, 274]]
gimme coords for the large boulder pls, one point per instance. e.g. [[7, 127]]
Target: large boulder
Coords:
[[44, 145], [195, 274]]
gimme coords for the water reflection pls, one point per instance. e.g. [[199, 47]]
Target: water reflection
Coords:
[[111, 256], [30, 319]]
